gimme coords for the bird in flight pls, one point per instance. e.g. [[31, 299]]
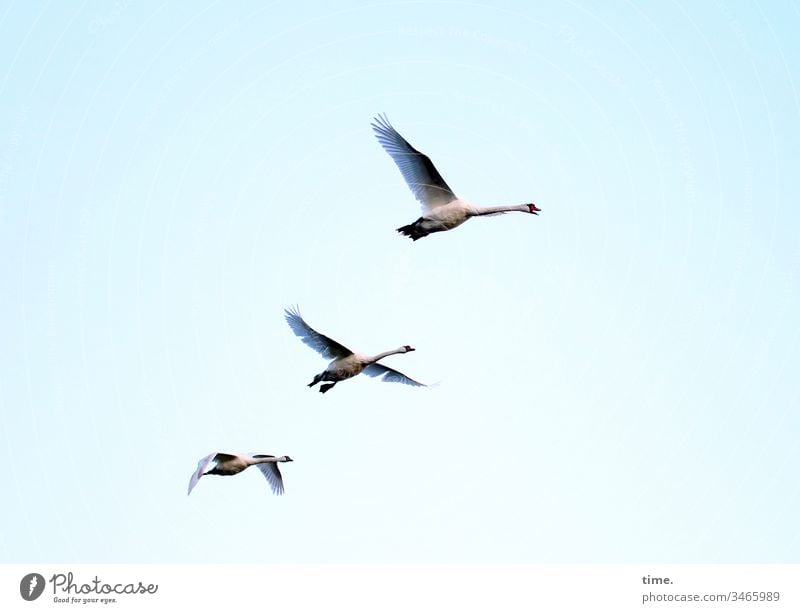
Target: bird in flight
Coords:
[[218, 463], [441, 208], [345, 363]]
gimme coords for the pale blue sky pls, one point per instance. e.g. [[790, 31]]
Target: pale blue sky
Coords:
[[618, 376]]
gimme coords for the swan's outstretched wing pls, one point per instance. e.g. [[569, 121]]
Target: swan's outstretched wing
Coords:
[[273, 474], [202, 465], [390, 375], [320, 343], [417, 169]]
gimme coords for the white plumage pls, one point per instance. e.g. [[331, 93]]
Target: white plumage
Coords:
[[344, 362], [234, 463], [441, 208]]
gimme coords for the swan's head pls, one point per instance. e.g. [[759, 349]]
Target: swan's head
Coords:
[[532, 208], [407, 348], [286, 458]]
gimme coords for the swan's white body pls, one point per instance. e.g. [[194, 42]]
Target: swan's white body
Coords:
[[441, 209], [234, 463], [346, 367], [453, 214], [445, 217], [344, 362]]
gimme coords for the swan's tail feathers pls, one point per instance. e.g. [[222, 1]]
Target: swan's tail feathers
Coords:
[[414, 231]]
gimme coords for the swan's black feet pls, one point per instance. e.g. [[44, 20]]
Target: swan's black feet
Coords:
[[326, 387], [414, 231], [317, 379]]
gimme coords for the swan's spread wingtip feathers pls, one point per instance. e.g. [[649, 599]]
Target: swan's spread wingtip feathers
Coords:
[[381, 121], [292, 311], [325, 346], [202, 464], [390, 375], [421, 176], [273, 476]]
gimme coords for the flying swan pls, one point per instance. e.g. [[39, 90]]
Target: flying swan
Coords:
[[233, 464], [345, 363], [441, 208]]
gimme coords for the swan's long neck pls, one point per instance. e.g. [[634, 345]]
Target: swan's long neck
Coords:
[[495, 210], [264, 460], [380, 356]]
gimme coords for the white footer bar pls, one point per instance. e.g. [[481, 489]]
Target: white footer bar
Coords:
[[390, 588]]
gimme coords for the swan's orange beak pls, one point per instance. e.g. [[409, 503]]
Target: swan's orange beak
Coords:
[[534, 209]]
